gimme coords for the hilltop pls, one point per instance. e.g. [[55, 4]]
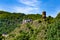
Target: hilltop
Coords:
[[11, 23]]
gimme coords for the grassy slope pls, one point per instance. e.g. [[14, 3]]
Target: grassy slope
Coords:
[[38, 30]]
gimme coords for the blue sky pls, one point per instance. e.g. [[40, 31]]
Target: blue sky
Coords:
[[52, 7]]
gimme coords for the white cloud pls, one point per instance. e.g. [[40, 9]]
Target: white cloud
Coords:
[[31, 6], [29, 2], [26, 10]]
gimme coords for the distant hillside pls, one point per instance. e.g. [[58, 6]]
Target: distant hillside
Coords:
[[11, 23]]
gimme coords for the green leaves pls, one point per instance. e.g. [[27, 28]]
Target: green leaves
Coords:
[[53, 31], [49, 30]]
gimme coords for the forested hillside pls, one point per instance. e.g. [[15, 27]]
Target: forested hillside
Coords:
[[11, 23]]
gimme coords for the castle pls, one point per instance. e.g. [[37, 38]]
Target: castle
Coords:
[[44, 15]]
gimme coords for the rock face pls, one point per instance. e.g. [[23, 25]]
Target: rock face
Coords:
[[44, 15]]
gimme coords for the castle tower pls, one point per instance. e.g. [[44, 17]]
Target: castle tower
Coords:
[[44, 15]]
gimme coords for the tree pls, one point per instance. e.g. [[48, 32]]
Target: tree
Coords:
[[0, 36], [58, 16], [49, 19]]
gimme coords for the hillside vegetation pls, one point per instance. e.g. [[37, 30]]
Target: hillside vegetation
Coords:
[[11, 23]]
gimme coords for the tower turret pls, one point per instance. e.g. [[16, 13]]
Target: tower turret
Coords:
[[44, 15]]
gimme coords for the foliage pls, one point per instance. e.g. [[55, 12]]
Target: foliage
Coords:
[[58, 16], [46, 30], [0, 36], [33, 16], [53, 31], [9, 21]]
